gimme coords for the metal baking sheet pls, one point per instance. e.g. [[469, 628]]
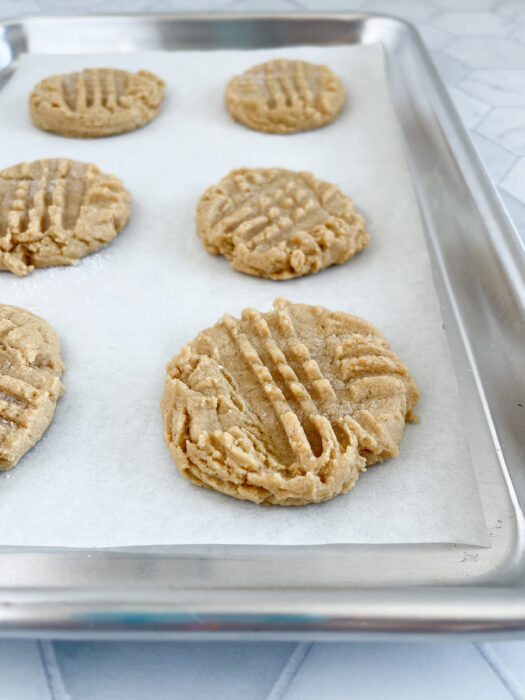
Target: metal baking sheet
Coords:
[[344, 590]]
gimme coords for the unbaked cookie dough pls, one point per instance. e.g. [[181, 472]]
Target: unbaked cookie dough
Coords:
[[283, 96], [96, 102], [279, 223], [30, 371], [286, 407], [53, 212]]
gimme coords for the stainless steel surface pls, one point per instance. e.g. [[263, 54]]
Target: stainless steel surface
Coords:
[[345, 590]]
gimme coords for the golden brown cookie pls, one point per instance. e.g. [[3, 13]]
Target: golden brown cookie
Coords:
[[283, 96], [96, 102], [279, 223], [30, 371], [285, 407], [53, 212]]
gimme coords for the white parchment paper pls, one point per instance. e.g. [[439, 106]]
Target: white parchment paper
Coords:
[[102, 475]]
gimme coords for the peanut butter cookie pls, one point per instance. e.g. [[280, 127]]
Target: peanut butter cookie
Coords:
[[96, 102], [286, 407], [53, 212], [279, 223], [30, 371], [283, 96]]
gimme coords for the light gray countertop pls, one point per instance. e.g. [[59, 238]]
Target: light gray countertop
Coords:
[[479, 49]]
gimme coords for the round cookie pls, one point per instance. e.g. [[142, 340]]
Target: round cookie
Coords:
[[53, 212], [30, 371], [286, 407], [283, 96], [96, 102], [279, 223]]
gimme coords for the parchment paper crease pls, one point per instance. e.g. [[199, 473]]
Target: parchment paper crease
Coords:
[[102, 475]]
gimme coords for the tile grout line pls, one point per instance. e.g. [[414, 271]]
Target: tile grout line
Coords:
[[479, 120], [513, 197], [290, 670], [476, 131], [500, 670], [507, 170], [432, 51], [55, 683]]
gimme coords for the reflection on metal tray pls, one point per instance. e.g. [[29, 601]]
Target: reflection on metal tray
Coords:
[[340, 591]]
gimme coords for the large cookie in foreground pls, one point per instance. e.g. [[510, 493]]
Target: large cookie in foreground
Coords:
[[279, 223], [30, 371], [283, 96], [96, 102], [53, 212], [286, 407]]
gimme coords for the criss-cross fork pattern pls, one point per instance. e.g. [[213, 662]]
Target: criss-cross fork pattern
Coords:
[[279, 208], [93, 88], [29, 386], [295, 89], [285, 407], [37, 199], [287, 84], [279, 224], [96, 101], [42, 206], [360, 359]]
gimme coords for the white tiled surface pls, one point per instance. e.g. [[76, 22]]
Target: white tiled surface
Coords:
[[36, 670], [479, 49]]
